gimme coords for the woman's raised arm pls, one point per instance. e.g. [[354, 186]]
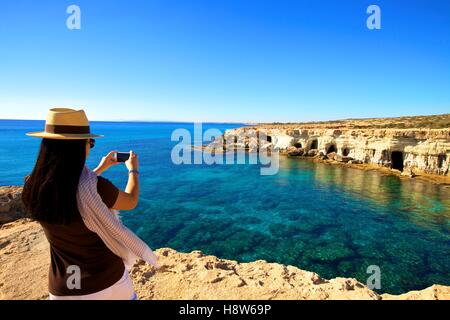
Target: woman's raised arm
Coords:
[[128, 199]]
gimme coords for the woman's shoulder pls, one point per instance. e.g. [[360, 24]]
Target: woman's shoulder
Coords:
[[107, 191]]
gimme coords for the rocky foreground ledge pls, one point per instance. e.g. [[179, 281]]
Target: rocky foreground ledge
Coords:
[[24, 262]]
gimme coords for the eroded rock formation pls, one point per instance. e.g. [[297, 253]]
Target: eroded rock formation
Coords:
[[410, 150]]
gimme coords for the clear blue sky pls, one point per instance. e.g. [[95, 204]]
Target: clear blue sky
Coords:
[[225, 60]]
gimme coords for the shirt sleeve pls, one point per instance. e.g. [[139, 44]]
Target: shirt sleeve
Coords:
[[107, 191]]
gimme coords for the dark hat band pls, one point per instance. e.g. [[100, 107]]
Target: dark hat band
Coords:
[[59, 129]]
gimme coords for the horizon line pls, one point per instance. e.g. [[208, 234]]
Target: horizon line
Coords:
[[146, 121], [246, 122]]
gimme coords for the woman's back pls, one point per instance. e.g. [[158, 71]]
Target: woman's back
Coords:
[[76, 245]]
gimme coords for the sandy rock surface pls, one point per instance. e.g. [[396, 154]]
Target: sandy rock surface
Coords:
[[24, 261]]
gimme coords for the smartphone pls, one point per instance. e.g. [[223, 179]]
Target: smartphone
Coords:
[[122, 156]]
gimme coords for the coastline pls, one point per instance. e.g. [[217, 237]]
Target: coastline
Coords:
[[424, 177], [24, 257], [408, 147]]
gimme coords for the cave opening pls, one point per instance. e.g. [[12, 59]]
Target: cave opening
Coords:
[[345, 152], [442, 158], [314, 144], [397, 160], [331, 148], [269, 139], [297, 145]]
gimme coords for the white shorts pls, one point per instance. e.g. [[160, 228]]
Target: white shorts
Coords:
[[121, 290]]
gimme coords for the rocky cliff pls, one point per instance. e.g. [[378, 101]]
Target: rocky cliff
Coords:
[[414, 151], [11, 206], [24, 261]]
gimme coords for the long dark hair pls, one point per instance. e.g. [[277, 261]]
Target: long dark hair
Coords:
[[49, 193]]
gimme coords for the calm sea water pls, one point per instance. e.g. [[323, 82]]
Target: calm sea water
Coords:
[[334, 221]]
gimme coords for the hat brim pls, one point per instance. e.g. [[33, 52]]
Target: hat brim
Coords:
[[63, 136]]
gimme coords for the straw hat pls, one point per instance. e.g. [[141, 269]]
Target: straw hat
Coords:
[[65, 124]]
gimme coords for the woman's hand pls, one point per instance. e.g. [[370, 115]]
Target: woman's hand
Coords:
[[107, 162], [132, 163]]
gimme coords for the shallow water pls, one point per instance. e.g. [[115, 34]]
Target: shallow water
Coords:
[[331, 220]]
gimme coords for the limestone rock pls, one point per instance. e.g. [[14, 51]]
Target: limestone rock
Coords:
[[423, 150], [341, 158], [295, 152], [435, 292], [408, 172], [331, 155], [291, 149], [11, 205]]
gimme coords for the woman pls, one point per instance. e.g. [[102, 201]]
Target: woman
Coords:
[[90, 248]]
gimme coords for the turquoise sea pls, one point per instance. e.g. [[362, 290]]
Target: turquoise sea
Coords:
[[330, 220]]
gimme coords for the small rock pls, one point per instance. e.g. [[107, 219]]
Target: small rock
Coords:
[[296, 152], [331, 155], [342, 158], [407, 172]]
